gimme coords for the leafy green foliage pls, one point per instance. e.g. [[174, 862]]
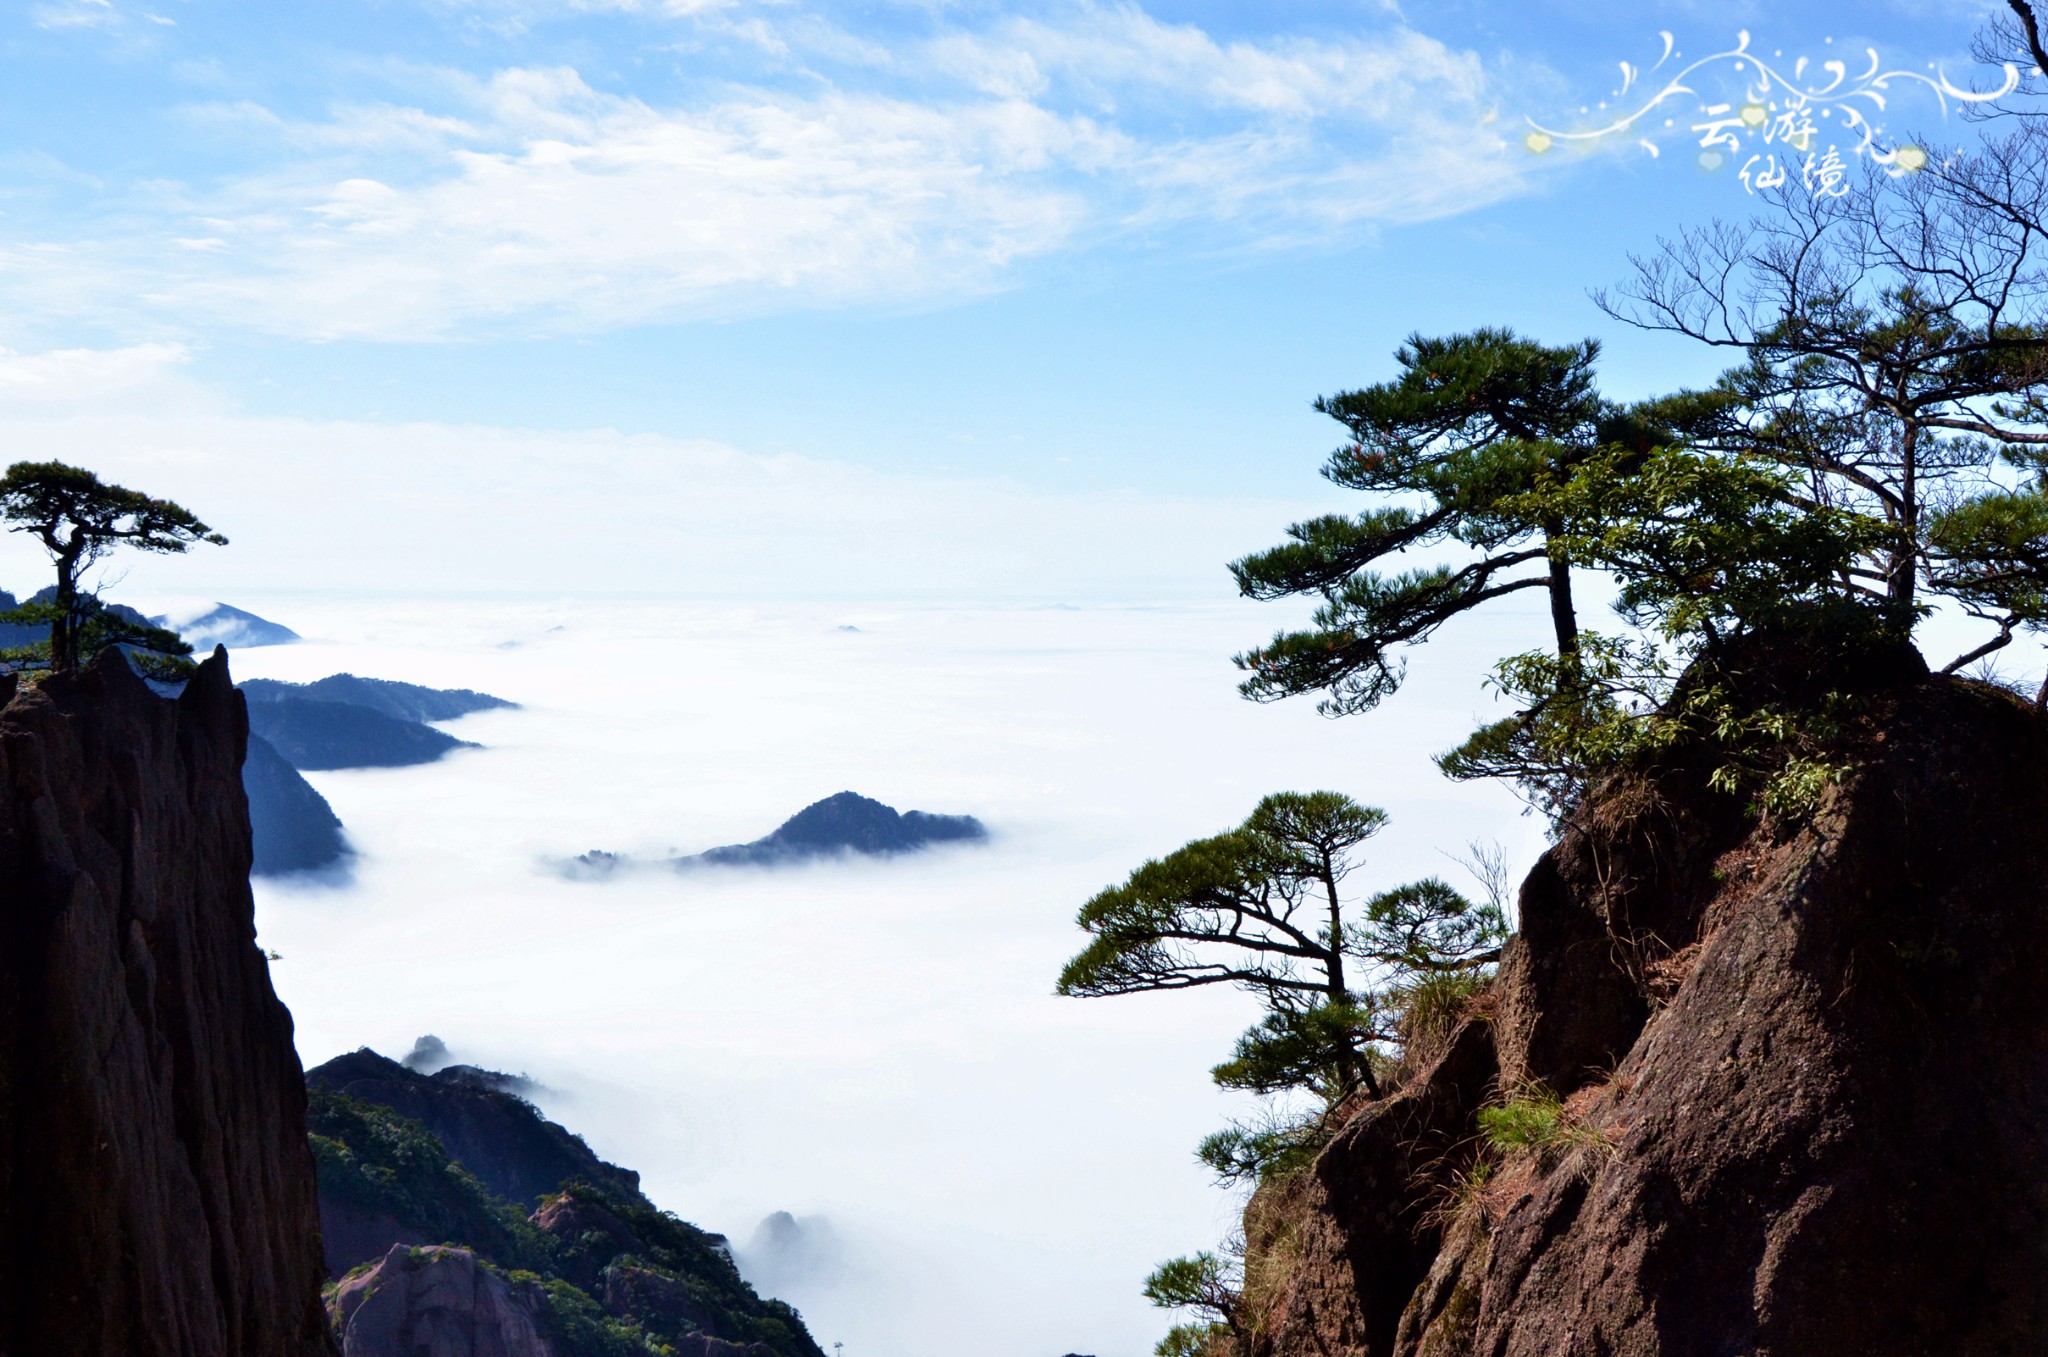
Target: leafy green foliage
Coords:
[[1320, 1047], [1533, 1120], [1196, 1282], [1706, 545], [1236, 908], [1427, 928], [1892, 346], [1781, 500], [1277, 1145], [1990, 554], [578, 1326], [1576, 718]]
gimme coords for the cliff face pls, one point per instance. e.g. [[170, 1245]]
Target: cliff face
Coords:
[[156, 1192], [1804, 1075]]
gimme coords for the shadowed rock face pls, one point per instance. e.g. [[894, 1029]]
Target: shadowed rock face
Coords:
[[156, 1192], [1809, 1069]]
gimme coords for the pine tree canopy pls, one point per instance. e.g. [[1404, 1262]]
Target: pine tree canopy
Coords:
[[1464, 438], [1263, 907]]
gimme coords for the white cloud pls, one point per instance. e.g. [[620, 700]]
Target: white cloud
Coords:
[[80, 379], [428, 508], [534, 201], [608, 212], [78, 14]]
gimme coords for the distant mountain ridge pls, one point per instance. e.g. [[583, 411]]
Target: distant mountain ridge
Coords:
[[845, 822], [320, 736], [235, 628], [403, 701], [291, 826], [341, 721]]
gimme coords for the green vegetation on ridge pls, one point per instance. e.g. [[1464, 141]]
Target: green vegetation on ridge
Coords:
[[633, 1284]]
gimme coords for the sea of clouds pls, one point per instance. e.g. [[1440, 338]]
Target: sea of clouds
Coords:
[[972, 1164]]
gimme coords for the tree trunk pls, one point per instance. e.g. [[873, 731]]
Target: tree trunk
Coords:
[[1905, 565], [1564, 619], [63, 647], [63, 634]]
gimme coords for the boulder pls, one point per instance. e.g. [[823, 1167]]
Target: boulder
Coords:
[[436, 1302]]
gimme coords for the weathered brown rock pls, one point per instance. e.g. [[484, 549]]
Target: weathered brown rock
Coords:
[[1811, 1074], [1336, 1261], [436, 1302], [156, 1191]]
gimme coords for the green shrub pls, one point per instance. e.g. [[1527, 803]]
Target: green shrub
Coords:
[[1532, 1121]]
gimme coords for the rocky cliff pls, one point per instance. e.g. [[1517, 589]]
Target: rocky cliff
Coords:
[[156, 1192], [1784, 1086]]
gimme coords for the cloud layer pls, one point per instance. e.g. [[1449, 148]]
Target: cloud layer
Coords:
[[427, 508]]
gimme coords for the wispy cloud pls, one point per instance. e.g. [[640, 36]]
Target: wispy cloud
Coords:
[[923, 167]]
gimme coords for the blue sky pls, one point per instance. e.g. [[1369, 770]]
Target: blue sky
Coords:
[[1076, 249]]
